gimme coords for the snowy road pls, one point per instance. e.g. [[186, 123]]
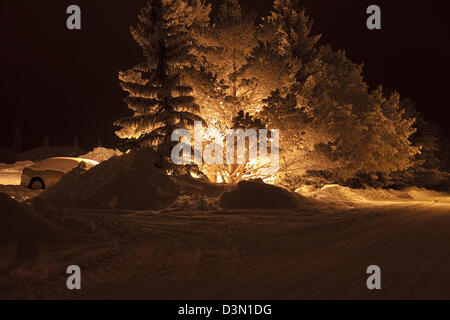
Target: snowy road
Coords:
[[285, 256], [305, 254]]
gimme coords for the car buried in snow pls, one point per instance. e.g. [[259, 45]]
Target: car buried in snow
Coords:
[[45, 173]]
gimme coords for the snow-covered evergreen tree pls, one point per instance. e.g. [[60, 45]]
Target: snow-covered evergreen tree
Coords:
[[293, 29], [159, 101], [330, 122], [232, 71], [223, 49], [366, 131]]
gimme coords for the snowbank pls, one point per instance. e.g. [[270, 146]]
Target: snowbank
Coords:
[[339, 194], [10, 173], [258, 195], [422, 194], [23, 232], [128, 182], [101, 154]]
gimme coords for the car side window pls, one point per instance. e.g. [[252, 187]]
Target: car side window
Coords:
[[68, 164]]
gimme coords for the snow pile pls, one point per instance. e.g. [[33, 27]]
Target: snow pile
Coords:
[[336, 194], [23, 233], [258, 195], [422, 194], [339, 194], [10, 174], [15, 167], [101, 154], [128, 182]]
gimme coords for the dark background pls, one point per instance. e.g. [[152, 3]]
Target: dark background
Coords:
[[63, 83]]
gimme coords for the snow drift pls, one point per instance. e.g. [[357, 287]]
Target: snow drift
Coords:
[[258, 195], [340, 195], [23, 232]]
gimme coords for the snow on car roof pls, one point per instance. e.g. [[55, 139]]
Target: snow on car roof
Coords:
[[63, 164], [76, 159]]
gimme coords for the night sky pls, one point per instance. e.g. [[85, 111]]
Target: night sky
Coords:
[[63, 83]]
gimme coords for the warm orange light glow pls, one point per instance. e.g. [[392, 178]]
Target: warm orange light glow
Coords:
[[195, 175]]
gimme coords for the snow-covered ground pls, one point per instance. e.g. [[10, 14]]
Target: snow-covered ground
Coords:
[[320, 251], [318, 246], [350, 198], [19, 193]]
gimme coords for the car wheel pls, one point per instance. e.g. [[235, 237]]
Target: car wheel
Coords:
[[37, 184]]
